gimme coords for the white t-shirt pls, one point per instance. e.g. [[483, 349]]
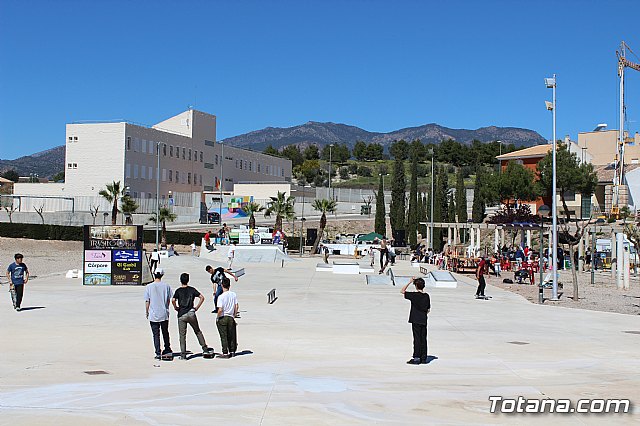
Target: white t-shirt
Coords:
[[155, 255], [232, 251], [158, 294], [227, 302]]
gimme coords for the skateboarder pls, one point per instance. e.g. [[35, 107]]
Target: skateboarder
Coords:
[[384, 255], [18, 276], [227, 306], [183, 302], [480, 277], [217, 275], [157, 297], [155, 260], [420, 307]]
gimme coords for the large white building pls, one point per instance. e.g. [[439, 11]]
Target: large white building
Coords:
[[190, 159]]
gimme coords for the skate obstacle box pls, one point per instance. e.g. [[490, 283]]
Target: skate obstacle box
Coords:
[[346, 267], [441, 279], [324, 267]]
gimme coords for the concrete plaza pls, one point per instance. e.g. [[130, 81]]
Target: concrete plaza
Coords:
[[330, 350]]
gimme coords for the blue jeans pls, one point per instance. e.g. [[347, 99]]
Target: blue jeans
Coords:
[[216, 295]]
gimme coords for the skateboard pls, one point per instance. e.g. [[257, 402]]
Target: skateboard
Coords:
[[483, 297], [167, 357], [208, 354], [14, 296]]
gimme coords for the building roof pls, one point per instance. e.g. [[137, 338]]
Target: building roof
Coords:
[[605, 173], [531, 152], [3, 180]]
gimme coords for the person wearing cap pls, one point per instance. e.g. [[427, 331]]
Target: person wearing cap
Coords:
[[157, 296], [18, 276]]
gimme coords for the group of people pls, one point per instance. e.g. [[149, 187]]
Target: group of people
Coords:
[[159, 298]]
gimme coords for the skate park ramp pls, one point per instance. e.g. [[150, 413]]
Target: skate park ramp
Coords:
[[389, 278], [441, 279], [257, 253]]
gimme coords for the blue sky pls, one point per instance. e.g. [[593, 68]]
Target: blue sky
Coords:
[[377, 65]]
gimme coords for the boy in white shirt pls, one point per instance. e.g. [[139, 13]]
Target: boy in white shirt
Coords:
[[227, 309], [231, 254]]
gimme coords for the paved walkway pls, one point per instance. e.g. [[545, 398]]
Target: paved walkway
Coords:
[[329, 351]]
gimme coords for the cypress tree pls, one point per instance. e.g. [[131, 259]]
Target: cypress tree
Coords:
[[477, 212], [461, 199], [380, 225], [398, 210], [440, 213], [412, 223]]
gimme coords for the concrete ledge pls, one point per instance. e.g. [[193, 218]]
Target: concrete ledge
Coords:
[[441, 279], [324, 267]]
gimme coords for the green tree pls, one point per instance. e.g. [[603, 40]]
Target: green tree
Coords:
[[58, 177], [339, 153], [374, 152], [344, 173], [440, 212], [165, 216], [399, 150], [113, 192], [270, 150], [397, 209], [312, 153], [517, 183], [292, 152], [479, 202], [364, 171], [12, 175], [571, 177], [360, 151], [412, 217], [324, 206], [461, 199], [251, 208], [128, 206], [282, 207], [380, 224], [308, 170]]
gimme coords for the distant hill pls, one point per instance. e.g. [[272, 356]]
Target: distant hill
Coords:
[[327, 133], [48, 163], [45, 163]]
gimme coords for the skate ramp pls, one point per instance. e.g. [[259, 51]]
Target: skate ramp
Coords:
[[379, 280], [441, 279], [257, 253]]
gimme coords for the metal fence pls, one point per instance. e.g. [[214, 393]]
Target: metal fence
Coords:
[[349, 195]]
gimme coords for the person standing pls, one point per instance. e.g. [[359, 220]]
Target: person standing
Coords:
[[372, 256], [193, 248], [207, 240], [420, 307], [325, 253], [231, 254], [227, 306], [155, 260], [217, 275], [480, 277], [183, 303], [157, 297], [18, 275]]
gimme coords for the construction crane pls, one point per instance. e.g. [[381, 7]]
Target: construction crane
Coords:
[[618, 178]]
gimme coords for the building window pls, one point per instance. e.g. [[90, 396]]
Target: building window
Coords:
[[201, 156], [258, 167], [200, 177], [164, 150], [135, 171], [170, 175], [209, 143], [143, 172], [208, 166], [195, 178], [128, 171], [281, 172], [195, 156], [75, 139], [177, 176], [250, 166], [189, 178], [152, 148], [128, 143], [189, 154], [184, 153], [164, 175], [170, 150], [135, 194], [144, 146], [69, 165]]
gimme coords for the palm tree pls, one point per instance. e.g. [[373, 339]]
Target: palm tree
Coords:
[[128, 207], [282, 206], [112, 194], [250, 209], [165, 216], [325, 206]]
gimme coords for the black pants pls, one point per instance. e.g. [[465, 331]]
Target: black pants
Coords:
[[19, 293], [384, 253], [419, 341], [155, 330], [481, 286], [154, 265]]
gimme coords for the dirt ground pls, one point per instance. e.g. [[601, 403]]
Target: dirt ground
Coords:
[[600, 296]]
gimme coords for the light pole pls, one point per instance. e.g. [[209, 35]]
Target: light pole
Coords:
[[158, 196], [302, 219], [500, 161], [221, 180], [551, 84], [432, 152], [542, 212], [594, 235], [329, 194]]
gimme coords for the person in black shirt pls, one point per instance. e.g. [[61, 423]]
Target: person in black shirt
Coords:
[[183, 302], [420, 307]]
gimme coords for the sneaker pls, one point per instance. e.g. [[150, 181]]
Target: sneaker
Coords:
[[224, 356], [18, 308], [413, 361], [157, 357]]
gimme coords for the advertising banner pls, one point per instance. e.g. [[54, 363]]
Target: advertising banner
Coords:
[[113, 255]]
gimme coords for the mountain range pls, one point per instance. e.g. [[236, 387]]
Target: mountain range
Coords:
[[48, 163]]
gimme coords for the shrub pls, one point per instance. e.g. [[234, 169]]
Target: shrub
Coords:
[[364, 171]]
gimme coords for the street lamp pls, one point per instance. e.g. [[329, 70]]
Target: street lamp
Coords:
[[550, 83], [594, 234], [221, 179], [158, 196], [432, 152], [543, 211], [330, 147], [302, 218]]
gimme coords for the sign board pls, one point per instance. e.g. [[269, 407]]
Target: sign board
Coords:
[[113, 255]]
